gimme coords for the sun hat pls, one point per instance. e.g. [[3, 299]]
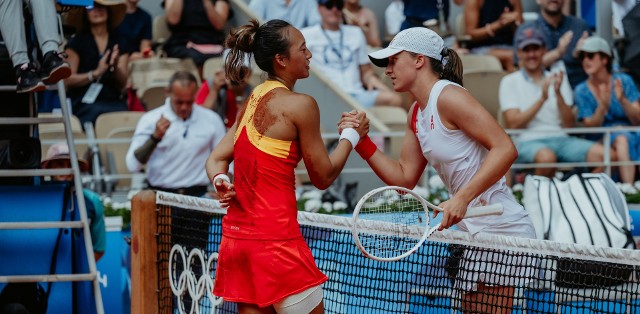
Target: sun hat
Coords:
[[420, 40], [117, 11], [529, 36], [60, 151], [595, 44]]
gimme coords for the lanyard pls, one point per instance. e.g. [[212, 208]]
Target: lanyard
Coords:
[[337, 51]]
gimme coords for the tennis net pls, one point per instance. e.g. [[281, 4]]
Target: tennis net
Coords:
[[440, 277]]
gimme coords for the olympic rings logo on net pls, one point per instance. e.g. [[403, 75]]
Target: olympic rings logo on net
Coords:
[[187, 280]]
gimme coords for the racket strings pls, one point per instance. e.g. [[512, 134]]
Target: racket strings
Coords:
[[403, 214]]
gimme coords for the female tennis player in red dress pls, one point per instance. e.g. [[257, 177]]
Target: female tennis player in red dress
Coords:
[[264, 262], [471, 153]]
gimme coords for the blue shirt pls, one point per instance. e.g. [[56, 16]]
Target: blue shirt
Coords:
[[587, 102], [552, 36], [134, 28], [418, 11], [95, 211], [300, 13]]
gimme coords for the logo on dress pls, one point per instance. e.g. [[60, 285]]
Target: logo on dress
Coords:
[[432, 125]]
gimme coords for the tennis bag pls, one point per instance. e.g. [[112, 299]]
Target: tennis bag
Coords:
[[585, 209]]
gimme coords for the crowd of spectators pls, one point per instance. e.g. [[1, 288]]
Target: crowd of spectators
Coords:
[[566, 77]]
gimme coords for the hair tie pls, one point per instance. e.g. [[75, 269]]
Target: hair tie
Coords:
[[445, 56]]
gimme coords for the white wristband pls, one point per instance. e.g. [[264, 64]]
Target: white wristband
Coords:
[[351, 135], [220, 176]]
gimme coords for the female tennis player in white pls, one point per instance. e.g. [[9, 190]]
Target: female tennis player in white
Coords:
[[468, 149]]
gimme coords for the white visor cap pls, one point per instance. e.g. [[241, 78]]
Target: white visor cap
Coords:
[[420, 40]]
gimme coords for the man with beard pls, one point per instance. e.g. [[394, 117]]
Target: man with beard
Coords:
[[563, 35]]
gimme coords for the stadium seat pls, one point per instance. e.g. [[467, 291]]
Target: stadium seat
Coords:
[[160, 32], [396, 119], [55, 132], [112, 125], [154, 71], [480, 62], [461, 31], [484, 85], [211, 66], [153, 95]]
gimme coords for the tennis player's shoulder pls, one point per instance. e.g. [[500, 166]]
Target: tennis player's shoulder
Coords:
[[298, 101], [453, 93], [455, 100]]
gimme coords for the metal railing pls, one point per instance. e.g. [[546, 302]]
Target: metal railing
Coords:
[[98, 177]]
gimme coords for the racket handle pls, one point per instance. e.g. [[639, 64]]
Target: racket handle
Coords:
[[493, 209]]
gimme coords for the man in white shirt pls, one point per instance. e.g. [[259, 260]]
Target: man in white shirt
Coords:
[[174, 140], [300, 13], [537, 100], [340, 52]]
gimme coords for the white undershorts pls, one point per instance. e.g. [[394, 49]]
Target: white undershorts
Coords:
[[303, 302]]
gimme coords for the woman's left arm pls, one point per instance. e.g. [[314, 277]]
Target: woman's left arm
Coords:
[[122, 71], [459, 110], [622, 93], [217, 12]]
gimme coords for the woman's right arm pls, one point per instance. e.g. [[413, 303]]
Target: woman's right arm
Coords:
[[407, 170], [323, 168], [222, 155], [174, 11]]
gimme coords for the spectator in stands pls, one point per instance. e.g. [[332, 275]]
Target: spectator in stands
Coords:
[[300, 13], [341, 54], [197, 28], [99, 71], [224, 96], [540, 101], [58, 158], [608, 99], [491, 25], [53, 68], [394, 16], [355, 14], [619, 9], [135, 29], [563, 34], [431, 14], [174, 140]]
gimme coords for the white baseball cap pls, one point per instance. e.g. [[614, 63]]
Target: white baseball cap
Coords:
[[420, 40], [595, 44]]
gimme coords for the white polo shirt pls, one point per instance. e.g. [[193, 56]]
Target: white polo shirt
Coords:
[[178, 160], [338, 54], [519, 91]]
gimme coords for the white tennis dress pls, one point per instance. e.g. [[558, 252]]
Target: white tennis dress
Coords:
[[457, 158]]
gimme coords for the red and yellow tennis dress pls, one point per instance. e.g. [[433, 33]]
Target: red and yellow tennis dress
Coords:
[[263, 257]]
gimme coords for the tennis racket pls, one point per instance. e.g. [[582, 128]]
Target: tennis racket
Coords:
[[391, 222]]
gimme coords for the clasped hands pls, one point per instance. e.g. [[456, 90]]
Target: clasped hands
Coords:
[[356, 120]]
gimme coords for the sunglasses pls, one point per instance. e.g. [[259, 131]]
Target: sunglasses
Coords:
[[331, 4], [587, 55]]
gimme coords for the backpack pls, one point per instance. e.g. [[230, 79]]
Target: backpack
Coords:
[[585, 209]]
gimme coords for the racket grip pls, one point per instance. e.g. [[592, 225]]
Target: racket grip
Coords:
[[493, 209]]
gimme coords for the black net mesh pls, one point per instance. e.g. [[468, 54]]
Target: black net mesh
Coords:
[[440, 277]]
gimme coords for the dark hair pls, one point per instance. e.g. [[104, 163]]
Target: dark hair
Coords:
[[263, 41], [185, 78], [452, 70], [609, 65], [86, 25]]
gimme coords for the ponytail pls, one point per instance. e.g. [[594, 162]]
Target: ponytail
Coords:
[[449, 67], [240, 40], [263, 41]]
